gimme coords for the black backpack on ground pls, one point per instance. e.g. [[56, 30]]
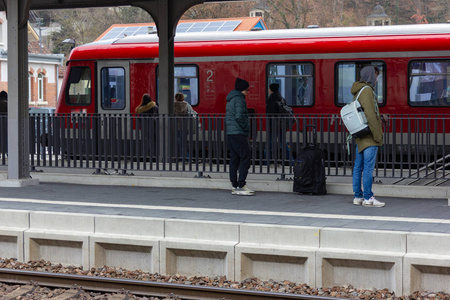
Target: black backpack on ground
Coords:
[[309, 168]]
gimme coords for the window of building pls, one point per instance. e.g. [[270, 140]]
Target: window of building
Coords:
[[1, 32], [349, 72], [185, 82], [29, 87], [40, 88], [78, 90], [429, 83], [296, 82], [113, 88]]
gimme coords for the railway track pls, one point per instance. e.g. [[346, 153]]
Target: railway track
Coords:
[[126, 289]]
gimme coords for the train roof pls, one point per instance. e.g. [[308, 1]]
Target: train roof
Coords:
[[416, 29]]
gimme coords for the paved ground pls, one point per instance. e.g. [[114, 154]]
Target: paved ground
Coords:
[[400, 214]]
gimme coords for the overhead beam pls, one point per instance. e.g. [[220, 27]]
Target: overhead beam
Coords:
[[63, 4]]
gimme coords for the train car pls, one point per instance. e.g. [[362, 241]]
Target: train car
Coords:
[[314, 67]]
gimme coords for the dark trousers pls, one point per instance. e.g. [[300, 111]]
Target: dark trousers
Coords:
[[276, 136], [239, 159]]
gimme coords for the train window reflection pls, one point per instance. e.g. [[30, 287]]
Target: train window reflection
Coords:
[[349, 72], [429, 83], [185, 82], [113, 88], [295, 80], [78, 90]]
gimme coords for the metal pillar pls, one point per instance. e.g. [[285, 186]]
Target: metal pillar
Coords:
[[18, 119], [166, 15]]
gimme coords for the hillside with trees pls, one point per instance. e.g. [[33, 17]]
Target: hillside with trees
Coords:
[[85, 25]]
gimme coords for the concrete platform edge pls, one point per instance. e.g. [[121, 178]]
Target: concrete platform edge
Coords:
[[318, 256], [400, 191]]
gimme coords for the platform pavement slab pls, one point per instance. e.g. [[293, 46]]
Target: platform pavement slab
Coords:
[[266, 207]]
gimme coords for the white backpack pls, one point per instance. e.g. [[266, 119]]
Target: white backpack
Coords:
[[354, 118]]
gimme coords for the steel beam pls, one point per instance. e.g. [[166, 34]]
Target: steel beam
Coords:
[[18, 119]]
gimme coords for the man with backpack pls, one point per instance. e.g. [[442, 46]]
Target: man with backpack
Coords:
[[367, 146]]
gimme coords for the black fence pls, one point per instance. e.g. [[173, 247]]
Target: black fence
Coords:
[[414, 146]]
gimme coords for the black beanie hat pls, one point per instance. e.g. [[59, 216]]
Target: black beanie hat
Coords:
[[274, 87], [241, 84]]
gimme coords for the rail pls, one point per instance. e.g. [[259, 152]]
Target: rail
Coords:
[[415, 146], [143, 288]]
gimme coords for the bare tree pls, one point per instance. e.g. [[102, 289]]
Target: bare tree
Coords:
[[219, 10], [87, 24], [289, 13]]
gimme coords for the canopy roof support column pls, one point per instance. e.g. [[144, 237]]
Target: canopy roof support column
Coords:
[[18, 118], [166, 14]]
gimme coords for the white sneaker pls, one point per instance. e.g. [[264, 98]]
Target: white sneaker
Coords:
[[243, 191], [372, 202], [357, 201]]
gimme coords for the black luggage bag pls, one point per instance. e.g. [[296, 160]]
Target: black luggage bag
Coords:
[[309, 167]]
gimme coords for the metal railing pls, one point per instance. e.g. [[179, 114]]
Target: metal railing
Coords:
[[414, 145]]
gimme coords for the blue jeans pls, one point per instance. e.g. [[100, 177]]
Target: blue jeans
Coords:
[[239, 159], [364, 165]]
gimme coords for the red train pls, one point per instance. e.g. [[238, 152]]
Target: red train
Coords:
[[315, 69]]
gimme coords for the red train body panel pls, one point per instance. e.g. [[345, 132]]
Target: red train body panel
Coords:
[[314, 66]]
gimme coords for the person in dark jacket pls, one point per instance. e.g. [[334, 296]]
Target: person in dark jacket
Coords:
[[3, 102], [148, 123], [367, 146], [238, 128], [183, 124], [147, 106], [276, 127]]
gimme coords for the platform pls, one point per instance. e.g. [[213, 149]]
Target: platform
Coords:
[[276, 234]]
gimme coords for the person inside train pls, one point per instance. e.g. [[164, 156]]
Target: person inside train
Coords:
[[237, 125], [367, 146], [276, 130]]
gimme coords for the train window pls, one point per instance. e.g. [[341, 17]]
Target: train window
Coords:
[[185, 82], [78, 90], [429, 83], [113, 88], [295, 80], [349, 72]]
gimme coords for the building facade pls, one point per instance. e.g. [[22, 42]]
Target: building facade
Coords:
[[43, 68]]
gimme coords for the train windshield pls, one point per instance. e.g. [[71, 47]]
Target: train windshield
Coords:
[[79, 86], [295, 80], [429, 83], [349, 72]]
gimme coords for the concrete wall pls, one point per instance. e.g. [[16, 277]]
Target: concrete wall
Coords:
[[321, 257]]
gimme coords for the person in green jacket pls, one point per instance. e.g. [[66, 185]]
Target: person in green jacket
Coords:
[[367, 146], [237, 126]]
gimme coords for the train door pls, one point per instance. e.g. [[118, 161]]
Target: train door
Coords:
[[113, 107], [114, 87]]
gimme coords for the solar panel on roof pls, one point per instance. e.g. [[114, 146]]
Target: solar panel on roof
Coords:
[[119, 32]]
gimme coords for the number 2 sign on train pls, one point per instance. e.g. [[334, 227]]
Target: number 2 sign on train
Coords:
[[314, 67]]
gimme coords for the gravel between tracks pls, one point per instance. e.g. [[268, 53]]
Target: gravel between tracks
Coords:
[[346, 291]]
